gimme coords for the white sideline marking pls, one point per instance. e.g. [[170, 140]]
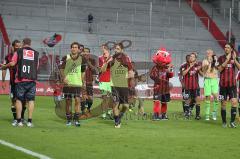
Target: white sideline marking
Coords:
[[24, 150]]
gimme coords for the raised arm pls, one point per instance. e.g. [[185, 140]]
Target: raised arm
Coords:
[[184, 72], [223, 64], [236, 60], [154, 74]]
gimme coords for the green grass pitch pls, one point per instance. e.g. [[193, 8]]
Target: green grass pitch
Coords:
[[98, 139]]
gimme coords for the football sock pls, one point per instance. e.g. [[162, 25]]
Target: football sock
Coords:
[[116, 119], [198, 109], [29, 120], [215, 105], [89, 103], [233, 113], [183, 105], [186, 108], [76, 116], [223, 114], [19, 120], [207, 108], [68, 116], [164, 108], [23, 112], [14, 112], [191, 106]]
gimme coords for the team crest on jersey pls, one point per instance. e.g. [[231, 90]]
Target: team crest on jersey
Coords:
[[192, 72], [28, 54], [120, 67], [162, 73]]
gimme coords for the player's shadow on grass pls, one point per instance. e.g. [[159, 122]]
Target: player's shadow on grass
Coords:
[[105, 121], [8, 120], [59, 120], [217, 123]]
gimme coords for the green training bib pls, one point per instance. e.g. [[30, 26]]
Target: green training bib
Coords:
[[72, 71], [119, 75]]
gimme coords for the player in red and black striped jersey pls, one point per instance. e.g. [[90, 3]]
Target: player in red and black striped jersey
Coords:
[[238, 79], [228, 65], [89, 77], [180, 76], [190, 72], [16, 44]]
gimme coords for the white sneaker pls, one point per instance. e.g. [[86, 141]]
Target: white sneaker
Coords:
[[29, 124], [109, 112], [207, 118], [20, 124], [232, 125], [118, 126], [77, 124], [69, 123], [224, 125], [104, 115], [14, 123]]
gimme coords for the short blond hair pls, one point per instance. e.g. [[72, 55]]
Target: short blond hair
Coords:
[[209, 50]]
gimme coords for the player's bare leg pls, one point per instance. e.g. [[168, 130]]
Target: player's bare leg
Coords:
[[19, 111], [30, 113]]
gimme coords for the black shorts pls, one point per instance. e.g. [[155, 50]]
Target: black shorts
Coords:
[[89, 90], [25, 91], [191, 94], [183, 93], [183, 90], [227, 92], [162, 97], [70, 92], [239, 96], [120, 94], [132, 91]]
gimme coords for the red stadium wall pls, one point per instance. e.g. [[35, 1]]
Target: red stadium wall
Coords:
[[4, 32], [4, 40], [208, 22], [44, 89]]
